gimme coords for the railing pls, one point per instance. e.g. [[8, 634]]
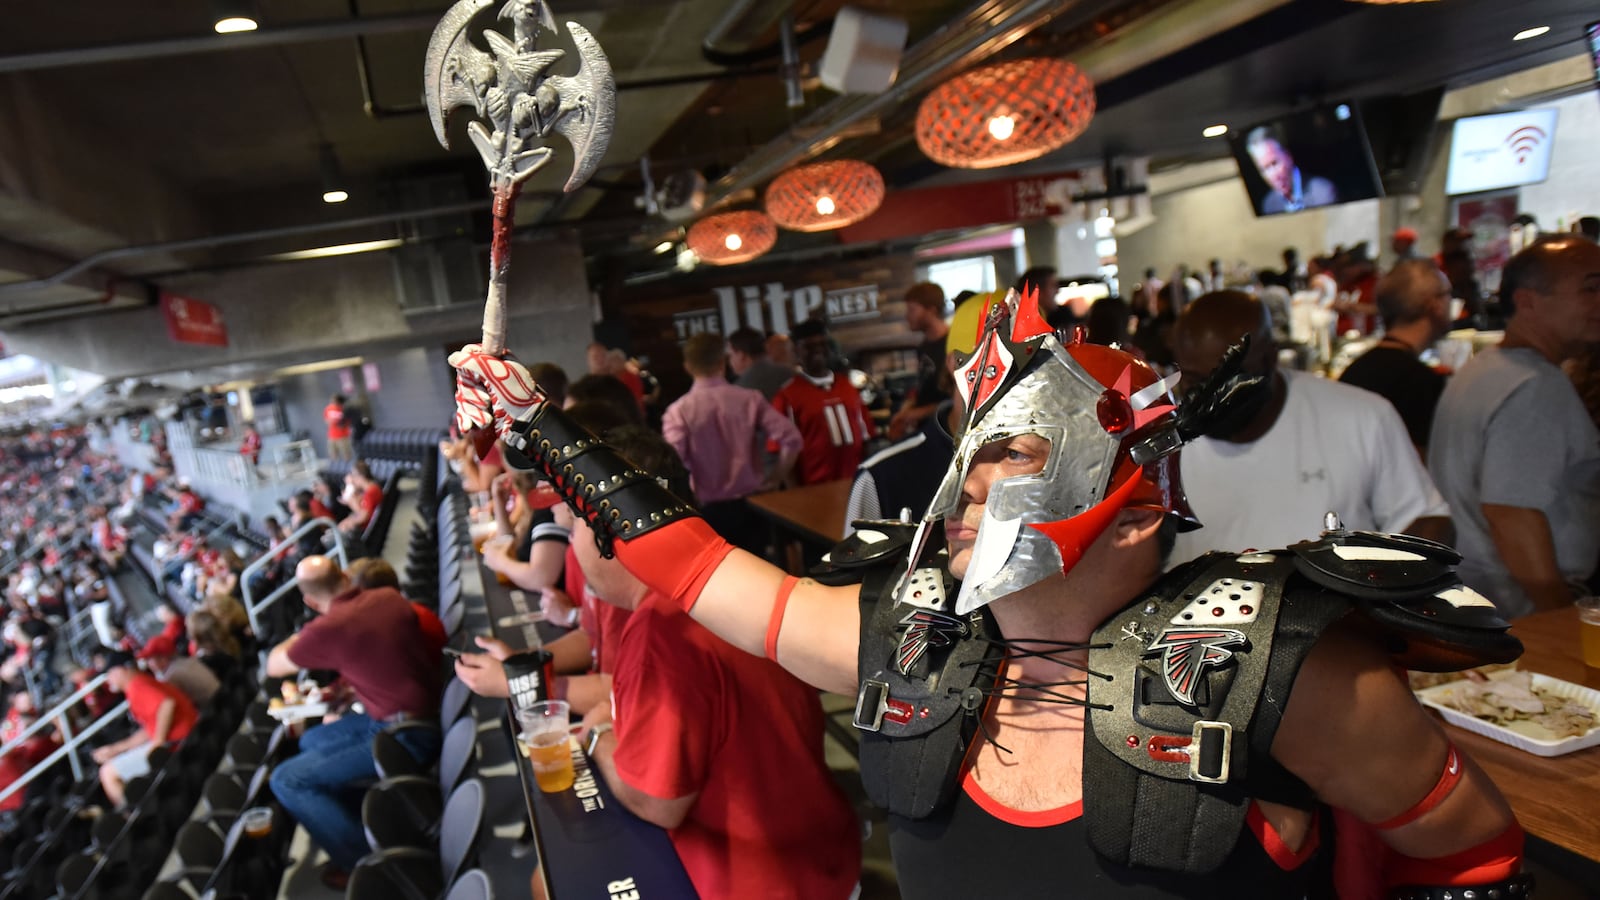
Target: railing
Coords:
[[57, 715], [80, 625], [227, 466], [294, 460], [254, 609], [69, 749]]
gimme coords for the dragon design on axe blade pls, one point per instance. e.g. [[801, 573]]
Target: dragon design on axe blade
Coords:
[[518, 105]]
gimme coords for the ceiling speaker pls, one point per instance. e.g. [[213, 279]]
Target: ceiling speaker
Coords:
[[863, 54]]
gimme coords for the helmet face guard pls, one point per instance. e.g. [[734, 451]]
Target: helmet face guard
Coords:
[[1093, 404]]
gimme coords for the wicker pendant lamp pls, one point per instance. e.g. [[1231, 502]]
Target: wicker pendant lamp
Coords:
[[1004, 114], [725, 239], [825, 195]]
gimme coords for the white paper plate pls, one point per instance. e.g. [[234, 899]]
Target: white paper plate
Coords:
[[298, 712], [1435, 697]]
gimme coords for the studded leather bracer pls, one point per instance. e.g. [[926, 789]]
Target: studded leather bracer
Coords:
[[618, 499], [1517, 887]]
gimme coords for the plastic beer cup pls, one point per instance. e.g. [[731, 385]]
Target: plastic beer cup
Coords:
[[545, 741]]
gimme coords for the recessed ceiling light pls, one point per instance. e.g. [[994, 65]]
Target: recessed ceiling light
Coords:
[[1526, 33], [235, 25], [338, 250], [1215, 131], [335, 196]]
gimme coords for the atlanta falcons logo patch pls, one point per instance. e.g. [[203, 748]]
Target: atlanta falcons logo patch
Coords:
[[923, 629], [1187, 651]]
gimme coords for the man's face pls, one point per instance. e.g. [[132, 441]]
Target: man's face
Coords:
[[1572, 305], [1275, 164], [596, 358], [609, 580], [739, 361], [916, 316], [813, 353], [1024, 454]]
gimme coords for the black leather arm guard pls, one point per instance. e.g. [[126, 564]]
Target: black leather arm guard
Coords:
[[1517, 887], [619, 500]]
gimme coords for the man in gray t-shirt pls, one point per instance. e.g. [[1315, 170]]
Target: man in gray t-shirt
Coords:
[[1513, 450]]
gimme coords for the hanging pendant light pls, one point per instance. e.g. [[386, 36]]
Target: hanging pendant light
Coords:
[[825, 195], [1005, 113], [734, 237]]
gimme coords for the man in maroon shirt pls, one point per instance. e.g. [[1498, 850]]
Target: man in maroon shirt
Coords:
[[374, 640]]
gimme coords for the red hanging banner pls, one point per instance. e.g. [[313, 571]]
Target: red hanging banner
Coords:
[[193, 321], [921, 211]]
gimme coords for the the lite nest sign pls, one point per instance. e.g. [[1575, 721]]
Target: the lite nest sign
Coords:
[[774, 307]]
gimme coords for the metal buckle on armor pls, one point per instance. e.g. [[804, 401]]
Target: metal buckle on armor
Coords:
[[1210, 752], [873, 705]]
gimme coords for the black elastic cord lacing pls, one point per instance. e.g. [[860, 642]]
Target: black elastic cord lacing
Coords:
[[1004, 687]]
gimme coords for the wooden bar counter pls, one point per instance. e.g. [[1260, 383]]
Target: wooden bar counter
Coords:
[[1557, 799]]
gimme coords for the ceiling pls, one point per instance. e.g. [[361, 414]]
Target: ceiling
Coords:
[[149, 130]]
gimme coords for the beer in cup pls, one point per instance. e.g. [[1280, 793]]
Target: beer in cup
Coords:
[[1589, 630], [545, 741]]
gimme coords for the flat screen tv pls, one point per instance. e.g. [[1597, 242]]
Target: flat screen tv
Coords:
[[1401, 130], [1309, 159], [1502, 150], [1592, 32]]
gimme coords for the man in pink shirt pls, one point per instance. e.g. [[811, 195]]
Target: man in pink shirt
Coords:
[[722, 432]]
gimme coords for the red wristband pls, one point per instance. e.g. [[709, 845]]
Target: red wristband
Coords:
[[775, 621], [676, 559], [1449, 777]]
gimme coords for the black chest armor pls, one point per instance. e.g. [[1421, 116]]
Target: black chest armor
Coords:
[[1178, 737]]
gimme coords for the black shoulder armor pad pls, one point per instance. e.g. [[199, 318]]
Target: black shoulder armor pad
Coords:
[[924, 673], [1408, 588], [871, 545]]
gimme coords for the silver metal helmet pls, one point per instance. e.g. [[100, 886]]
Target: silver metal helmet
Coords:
[[1095, 405]]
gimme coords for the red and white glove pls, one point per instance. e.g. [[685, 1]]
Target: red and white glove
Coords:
[[492, 392]]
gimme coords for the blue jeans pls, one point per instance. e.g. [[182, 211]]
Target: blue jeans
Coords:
[[323, 784]]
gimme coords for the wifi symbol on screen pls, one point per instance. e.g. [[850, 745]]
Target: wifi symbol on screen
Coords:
[[1525, 140]]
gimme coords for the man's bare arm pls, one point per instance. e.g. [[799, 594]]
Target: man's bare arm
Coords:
[[1356, 735], [820, 633]]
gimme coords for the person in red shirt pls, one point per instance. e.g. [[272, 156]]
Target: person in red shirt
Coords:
[[187, 507], [827, 409], [334, 416], [368, 497], [250, 447], [164, 716], [720, 747]]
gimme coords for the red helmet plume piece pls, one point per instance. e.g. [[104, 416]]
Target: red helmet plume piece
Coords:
[[1027, 323]]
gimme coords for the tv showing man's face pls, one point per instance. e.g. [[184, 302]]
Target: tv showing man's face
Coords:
[[1275, 165]]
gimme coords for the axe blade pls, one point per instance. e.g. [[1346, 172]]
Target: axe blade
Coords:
[[451, 58]]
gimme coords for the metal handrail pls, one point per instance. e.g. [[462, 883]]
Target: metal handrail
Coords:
[[69, 747], [75, 630], [253, 609], [53, 712]]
